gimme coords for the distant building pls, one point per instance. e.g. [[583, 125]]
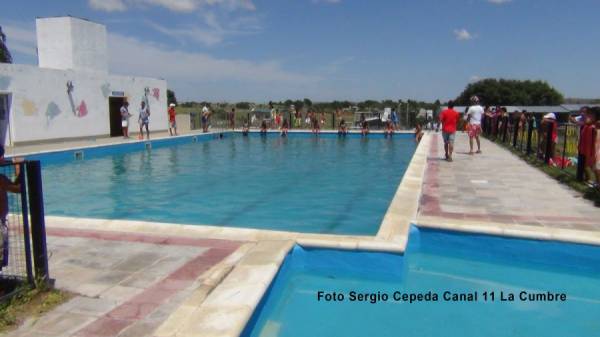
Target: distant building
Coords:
[[71, 94]]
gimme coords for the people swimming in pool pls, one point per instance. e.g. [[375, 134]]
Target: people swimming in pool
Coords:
[[342, 128], [284, 128], [263, 128], [389, 129], [316, 129], [364, 126], [245, 128]]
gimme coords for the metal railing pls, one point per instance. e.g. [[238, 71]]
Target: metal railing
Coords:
[[551, 143], [23, 253]]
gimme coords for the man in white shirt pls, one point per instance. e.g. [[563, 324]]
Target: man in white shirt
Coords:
[[205, 116], [474, 115]]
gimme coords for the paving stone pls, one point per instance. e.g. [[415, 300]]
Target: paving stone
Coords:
[[513, 192]]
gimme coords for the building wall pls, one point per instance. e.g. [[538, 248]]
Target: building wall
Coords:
[[42, 109], [68, 43]]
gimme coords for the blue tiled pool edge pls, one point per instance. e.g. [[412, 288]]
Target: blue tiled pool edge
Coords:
[[95, 151], [562, 250]]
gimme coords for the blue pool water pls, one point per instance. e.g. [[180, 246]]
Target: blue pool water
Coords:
[[301, 183], [436, 262]]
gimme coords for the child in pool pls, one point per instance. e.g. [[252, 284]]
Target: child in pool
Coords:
[[364, 128], [342, 129], [284, 128], [389, 129], [263, 128], [245, 129]]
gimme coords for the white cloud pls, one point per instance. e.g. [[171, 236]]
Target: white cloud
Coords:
[[499, 2], [474, 78], [185, 6], [108, 5], [132, 56], [212, 31], [463, 34]]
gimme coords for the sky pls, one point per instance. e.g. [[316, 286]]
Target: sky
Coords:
[[261, 50]]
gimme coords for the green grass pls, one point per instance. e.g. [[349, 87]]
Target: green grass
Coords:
[[566, 176], [29, 302]]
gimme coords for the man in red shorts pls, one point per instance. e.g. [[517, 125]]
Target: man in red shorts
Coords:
[[449, 118]]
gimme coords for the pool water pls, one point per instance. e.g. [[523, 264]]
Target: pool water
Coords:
[[436, 262], [301, 183]]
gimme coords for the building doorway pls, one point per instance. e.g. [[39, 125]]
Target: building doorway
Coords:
[[114, 109]]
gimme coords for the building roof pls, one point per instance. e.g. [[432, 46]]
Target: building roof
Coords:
[[577, 107], [66, 16]]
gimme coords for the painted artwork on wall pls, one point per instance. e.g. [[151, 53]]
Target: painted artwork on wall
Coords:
[[156, 93], [4, 82], [29, 108], [82, 110], [79, 110], [52, 110]]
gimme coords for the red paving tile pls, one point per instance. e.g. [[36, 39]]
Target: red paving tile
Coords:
[[142, 238]]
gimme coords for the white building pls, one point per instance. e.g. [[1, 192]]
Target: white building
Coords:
[[71, 94]]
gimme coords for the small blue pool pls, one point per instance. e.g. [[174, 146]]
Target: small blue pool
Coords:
[[473, 277], [301, 183]]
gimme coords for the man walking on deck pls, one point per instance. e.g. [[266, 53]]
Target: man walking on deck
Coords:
[[449, 119], [474, 115]]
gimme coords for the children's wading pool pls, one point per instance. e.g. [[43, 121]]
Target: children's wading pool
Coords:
[[301, 183], [447, 284]]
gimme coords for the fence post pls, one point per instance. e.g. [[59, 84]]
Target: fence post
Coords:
[[529, 134], [25, 214], [548, 155], [504, 128], [564, 147], [333, 120], [515, 133], [38, 226]]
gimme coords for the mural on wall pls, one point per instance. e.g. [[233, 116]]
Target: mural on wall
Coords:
[[52, 110], [4, 82], [80, 110], [156, 93], [105, 90], [29, 108]]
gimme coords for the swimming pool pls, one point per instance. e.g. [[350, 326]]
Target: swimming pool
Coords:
[[456, 265], [301, 183]]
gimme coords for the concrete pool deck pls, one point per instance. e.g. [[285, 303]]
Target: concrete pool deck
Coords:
[[498, 193], [219, 295]]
